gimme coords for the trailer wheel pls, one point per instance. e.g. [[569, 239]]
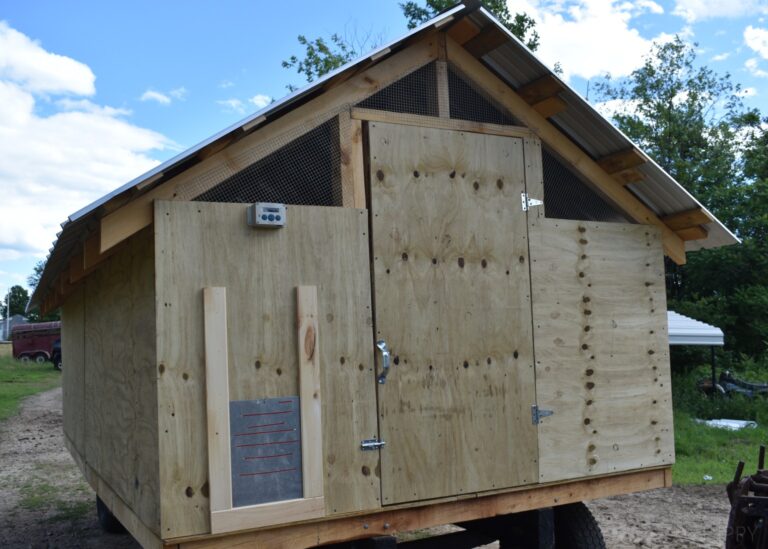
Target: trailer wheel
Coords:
[[107, 520], [24, 358], [40, 358], [576, 528]]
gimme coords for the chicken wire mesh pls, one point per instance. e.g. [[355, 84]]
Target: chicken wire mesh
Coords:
[[469, 102], [416, 93], [304, 166], [567, 197], [306, 171]]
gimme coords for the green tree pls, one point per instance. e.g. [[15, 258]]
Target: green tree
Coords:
[[321, 56], [17, 298], [693, 123], [34, 279]]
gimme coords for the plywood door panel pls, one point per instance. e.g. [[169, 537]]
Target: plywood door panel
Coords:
[[203, 244], [452, 301], [602, 360]]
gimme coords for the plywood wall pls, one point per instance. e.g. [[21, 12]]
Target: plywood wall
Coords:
[[602, 355], [110, 398], [73, 374], [203, 244]]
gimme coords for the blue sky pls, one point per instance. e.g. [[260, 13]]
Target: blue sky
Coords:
[[93, 94]]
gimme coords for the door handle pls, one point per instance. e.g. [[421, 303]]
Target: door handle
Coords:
[[385, 357]]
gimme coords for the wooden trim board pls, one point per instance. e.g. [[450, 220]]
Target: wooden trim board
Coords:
[[373, 115], [217, 398], [224, 517], [392, 521]]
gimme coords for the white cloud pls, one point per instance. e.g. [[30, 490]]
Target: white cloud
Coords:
[[590, 37], [165, 98], [260, 100], [53, 165], [224, 84], [159, 97], [748, 92], [721, 56], [25, 62], [757, 39], [179, 93], [232, 105], [612, 107], [698, 10], [754, 69], [651, 6]]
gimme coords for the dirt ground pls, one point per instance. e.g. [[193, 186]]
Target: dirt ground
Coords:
[[44, 502]]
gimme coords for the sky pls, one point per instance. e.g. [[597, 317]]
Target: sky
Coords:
[[94, 93]]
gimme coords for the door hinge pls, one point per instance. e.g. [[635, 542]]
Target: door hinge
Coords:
[[529, 202], [537, 414], [372, 444]]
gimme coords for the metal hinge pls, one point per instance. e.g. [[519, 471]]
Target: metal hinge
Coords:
[[537, 414], [372, 444], [529, 202]]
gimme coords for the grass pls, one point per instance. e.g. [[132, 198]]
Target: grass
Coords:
[[19, 380], [702, 450], [46, 491]]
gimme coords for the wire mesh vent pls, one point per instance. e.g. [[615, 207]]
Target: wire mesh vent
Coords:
[[415, 93], [468, 102], [305, 171], [567, 197]]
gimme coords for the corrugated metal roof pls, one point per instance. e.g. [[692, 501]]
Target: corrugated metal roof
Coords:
[[512, 61], [687, 331]]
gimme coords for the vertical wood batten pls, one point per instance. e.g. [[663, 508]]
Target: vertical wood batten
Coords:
[[352, 169], [217, 398], [309, 391]]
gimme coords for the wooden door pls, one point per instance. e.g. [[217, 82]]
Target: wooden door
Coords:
[[452, 301], [602, 354]]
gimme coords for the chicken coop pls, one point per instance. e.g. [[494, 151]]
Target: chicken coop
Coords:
[[426, 289]]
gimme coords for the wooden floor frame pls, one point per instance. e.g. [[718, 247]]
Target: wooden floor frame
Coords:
[[394, 520]]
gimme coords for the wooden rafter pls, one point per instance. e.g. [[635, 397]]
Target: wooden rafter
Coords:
[[463, 30], [622, 160], [693, 233], [488, 39], [577, 159], [626, 177], [541, 89], [550, 106], [687, 219]]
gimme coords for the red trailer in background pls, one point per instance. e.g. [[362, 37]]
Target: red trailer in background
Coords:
[[39, 342]]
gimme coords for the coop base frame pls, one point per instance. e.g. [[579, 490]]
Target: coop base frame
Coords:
[[392, 520]]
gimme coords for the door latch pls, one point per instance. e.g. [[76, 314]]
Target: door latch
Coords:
[[529, 202], [537, 414], [372, 444], [382, 346]]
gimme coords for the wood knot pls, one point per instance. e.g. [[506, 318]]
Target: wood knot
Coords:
[[309, 343], [380, 175]]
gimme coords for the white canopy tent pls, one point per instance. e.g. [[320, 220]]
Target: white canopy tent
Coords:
[[684, 330]]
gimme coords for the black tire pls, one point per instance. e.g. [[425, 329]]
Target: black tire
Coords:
[[57, 365], [576, 528], [40, 358], [107, 520]]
